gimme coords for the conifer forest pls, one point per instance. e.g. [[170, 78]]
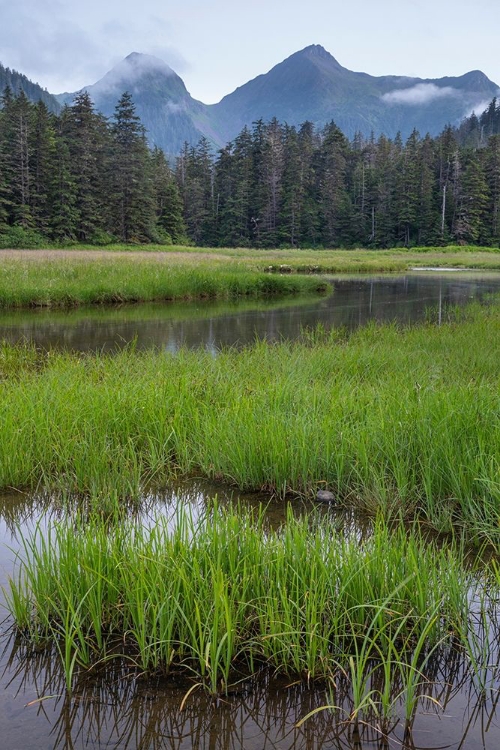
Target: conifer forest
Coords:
[[79, 177]]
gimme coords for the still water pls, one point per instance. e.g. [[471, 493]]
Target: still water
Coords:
[[354, 302], [120, 708]]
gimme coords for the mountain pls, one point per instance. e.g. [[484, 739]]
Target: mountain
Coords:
[[312, 85], [308, 85], [18, 82], [168, 112]]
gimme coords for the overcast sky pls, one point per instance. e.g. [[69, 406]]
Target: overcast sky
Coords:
[[218, 45]]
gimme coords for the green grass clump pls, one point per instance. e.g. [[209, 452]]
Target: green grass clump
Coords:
[[222, 594], [65, 281], [398, 421]]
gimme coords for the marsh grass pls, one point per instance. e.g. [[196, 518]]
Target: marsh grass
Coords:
[[217, 596], [72, 277], [395, 421], [64, 281]]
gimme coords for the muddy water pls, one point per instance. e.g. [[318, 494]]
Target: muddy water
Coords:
[[120, 708], [354, 302]]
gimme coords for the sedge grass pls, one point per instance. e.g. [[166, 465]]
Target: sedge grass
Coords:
[[66, 281], [68, 278], [216, 596], [393, 420]]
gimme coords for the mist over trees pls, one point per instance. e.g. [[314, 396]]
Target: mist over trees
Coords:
[[76, 176]]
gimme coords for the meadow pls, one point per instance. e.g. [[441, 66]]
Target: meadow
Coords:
[[62, 279], [80, 276]]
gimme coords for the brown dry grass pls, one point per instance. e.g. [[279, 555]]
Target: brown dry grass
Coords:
[[97, 255]]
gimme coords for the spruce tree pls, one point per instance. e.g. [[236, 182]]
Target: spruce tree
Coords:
[[132, 199], [473, 196], [64, 214], [335, 204], [42, 166], [169, 219], [88, 143]]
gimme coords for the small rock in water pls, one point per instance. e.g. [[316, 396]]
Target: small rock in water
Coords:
[[325, 496]]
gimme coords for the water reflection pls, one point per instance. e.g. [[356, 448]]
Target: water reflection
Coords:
[[209, 325], [119, 708]]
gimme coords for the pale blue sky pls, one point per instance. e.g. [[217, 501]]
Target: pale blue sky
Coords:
[[217, 46]]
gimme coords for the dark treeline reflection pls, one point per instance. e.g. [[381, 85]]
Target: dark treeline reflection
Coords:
[[353, 303], [118, 707]]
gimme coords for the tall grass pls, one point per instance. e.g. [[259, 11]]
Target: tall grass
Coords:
[[67, 278], [219, 596], [398, 421], [55, 281]]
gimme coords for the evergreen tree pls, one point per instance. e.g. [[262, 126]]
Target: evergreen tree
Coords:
[[239, 206], [132, 201], [407, 192], [16, 153], [195, 177], [473, 197], [169, 219], [42, 166], [64, 214], [492, 159], [88, 142], [427, 219], [334, 200], [384, 222], [447, 158]]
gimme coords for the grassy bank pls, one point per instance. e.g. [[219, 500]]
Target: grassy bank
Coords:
[[399, 421], [74, 277], [224, 594], [39, 279]]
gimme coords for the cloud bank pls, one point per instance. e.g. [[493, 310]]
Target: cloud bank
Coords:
[[421, 93]]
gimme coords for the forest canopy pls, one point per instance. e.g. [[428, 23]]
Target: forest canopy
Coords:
[[77, 176]]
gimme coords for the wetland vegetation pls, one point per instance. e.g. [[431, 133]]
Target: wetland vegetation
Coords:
[[391, 419], [398, 422], [62, 280], [75, 277], [222, 595]]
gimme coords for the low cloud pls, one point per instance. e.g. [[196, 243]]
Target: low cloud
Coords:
[[127, 73], [421, 93], [479, 108], [64, 48]]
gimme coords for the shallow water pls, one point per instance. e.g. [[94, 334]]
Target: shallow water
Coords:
[[354, 302], [119, 708]]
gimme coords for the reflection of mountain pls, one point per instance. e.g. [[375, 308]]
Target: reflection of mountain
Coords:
[[214, 325], [308, 85]]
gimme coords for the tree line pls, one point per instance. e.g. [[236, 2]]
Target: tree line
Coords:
[[78, 176]]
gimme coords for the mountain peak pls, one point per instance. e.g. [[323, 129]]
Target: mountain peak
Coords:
[[139, 63], [135, 73], [317, 53], [315, 49]]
